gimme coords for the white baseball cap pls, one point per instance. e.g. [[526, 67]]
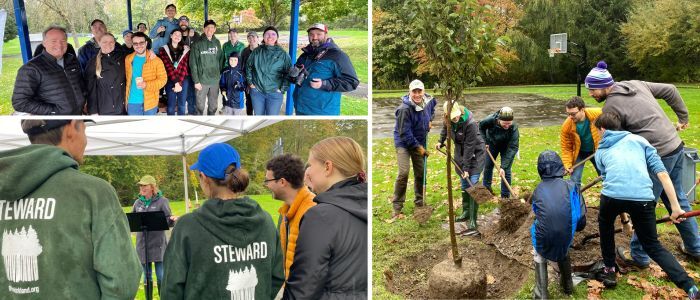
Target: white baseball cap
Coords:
[[456, 110], [416, 84]]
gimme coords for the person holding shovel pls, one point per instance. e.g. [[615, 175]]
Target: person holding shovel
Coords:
[[502, 137], [579, 137], [626, 161], [410, 136], [559, 212], [640, 113], [468, 154]]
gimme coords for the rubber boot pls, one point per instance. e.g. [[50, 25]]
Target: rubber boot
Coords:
[[473, 210], [540, 290], [465, 208], [565, 280]]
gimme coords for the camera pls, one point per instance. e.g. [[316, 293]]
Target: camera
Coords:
[[298, 74]]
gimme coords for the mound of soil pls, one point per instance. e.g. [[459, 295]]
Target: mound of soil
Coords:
[[410, 277]]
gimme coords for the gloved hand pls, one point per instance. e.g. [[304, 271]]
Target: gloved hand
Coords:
[[422, 151], [438, 146]]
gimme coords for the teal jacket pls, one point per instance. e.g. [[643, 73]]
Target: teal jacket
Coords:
[[267, 68], [64, 233], [497, 137], [206, 61]]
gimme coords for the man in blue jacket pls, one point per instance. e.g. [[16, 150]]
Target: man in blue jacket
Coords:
[[559, 212], [410, 136], [625, 161], [160, 33], [330, 73]]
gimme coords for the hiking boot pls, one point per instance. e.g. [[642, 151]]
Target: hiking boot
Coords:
[[694, 256], [540, 289], [396, 214], [693, 293], [628, 261], [608, 277]]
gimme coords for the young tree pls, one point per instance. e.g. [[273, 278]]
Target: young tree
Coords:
[[457, 44]]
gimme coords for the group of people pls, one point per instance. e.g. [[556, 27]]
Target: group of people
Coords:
[[633, 146], [227, 248], [185, 67], [497, 133]]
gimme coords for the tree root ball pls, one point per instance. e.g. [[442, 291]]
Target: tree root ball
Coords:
[[448, 281]]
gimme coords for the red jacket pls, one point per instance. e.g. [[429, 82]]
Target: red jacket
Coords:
[[175, 74]]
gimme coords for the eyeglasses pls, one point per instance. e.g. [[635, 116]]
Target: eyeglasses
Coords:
[[268, 180], [139, 44], [572, 114]]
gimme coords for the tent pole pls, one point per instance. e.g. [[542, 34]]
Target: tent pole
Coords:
[[184, 174], [128, 14], [206, 10], [293, 35], [22, 30]]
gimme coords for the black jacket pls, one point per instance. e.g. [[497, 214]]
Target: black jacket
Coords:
[[330, 261], [43, 87], [105, 96], [468, 144], [496, 137]]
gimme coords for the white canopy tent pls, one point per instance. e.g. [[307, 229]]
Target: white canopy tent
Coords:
[[155, 136]]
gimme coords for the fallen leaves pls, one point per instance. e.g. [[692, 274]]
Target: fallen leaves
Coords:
[[490, 279], [594, 289], [652, 291]]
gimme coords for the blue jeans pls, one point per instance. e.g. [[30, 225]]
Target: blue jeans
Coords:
[[266, 104], [488, 170], [474, 178], [177, 100], [191, 98], [688, 228], [137, 110], [577, 174], [147, 270]]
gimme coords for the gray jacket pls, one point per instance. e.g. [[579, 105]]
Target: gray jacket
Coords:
[[156, 239], [640, 112]]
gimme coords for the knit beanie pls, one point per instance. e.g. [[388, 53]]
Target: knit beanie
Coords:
[[599, 77]]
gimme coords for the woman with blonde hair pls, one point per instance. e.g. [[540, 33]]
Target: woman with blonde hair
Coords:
[[331, 254], [106, 78]]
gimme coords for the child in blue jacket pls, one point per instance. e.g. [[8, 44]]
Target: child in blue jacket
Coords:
[[559, 212], [232, 85], [625, 161]]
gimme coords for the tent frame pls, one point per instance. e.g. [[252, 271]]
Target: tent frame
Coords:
[[26, 47]]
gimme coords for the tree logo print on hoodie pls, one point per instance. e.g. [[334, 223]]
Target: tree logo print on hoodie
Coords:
[[20, 250], [212, 50], [242, 283]]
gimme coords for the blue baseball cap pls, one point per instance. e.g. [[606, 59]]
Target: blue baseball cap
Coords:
[[215, 158]]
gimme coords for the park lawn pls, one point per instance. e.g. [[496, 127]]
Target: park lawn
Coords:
[[403, 238], [353, 42], [178, 208]]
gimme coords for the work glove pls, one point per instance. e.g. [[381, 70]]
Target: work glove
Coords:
[[422, 151]]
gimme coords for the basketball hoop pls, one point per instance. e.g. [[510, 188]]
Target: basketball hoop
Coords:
[[557, 44], [553, 51]]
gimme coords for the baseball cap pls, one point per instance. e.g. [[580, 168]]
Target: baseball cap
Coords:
[[146, 180], [416, 84], [456, 110], [209, 22], [252, 33], [215, 158], [33, 126], [184, 18], [319, 26]]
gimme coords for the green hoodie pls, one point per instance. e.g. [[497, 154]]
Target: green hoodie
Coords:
[[206, 61], [224, 250], [229, 48], [64, 235], [267, 68]]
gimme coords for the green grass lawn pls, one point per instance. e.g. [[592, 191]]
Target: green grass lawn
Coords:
[[353, 42], [408, 238], [178, 208]]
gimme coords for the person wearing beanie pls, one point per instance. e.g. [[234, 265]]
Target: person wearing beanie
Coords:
[[502, 137], [206, 62], [469, 155], [232, 45], [635, 102], [232, 85], [330, 74], [266, 74], [229, 248], [413, 119]]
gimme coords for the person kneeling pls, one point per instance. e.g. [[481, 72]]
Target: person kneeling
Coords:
[[559, 212], [625, 159]]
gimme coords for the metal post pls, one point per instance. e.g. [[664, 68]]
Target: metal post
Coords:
[[293, 35], [22, 30], [128, 14], [184, 174], [206, 10]]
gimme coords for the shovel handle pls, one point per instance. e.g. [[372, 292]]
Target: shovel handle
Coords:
[[592, 183], [458, 168], [691, 189], [499, 171], [578, 164], [692, 213]]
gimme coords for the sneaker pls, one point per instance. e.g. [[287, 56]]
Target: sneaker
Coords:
[[693, 293], [694, 256], [608, 277], [628, 261]]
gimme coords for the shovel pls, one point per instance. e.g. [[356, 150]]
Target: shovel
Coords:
[[478, 192], [578, 164], [499, 173], [665, 219], [422, 213]]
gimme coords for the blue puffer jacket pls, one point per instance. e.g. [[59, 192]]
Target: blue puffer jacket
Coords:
[[411, 129], [233, 83], [159, 41], [625, 160], [331, 65], [559, 209]]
